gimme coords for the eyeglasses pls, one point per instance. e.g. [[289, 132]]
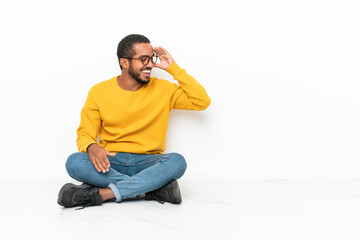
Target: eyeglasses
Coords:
[[146, 59]]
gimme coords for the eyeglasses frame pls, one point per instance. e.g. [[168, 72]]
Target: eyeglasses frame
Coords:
[[149, 57]]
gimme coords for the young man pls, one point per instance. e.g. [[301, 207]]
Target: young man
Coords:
[[130, 115]]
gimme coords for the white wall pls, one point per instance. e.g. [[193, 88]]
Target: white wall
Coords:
[[283, 77]]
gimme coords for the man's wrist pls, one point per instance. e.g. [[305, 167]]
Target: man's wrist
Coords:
[[172, 68], [87, 149]]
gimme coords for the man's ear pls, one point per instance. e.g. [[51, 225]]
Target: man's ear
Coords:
[[124, 62]]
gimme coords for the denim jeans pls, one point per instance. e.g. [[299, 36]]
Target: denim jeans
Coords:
[[129, 174]]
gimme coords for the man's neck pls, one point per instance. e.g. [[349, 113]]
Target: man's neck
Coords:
[[126, 82]]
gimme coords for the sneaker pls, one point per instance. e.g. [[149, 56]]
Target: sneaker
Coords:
[[168, 193], [72, 195]]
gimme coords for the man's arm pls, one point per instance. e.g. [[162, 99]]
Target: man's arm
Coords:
[[87, 133], [89, 124], [190, 95]]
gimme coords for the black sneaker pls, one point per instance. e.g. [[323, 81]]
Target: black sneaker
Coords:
[[85, 195], [168, 193]]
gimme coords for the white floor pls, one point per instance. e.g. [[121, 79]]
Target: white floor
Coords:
[[210, 210]]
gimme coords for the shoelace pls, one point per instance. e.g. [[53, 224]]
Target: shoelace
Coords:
[[159, 200], [86, 205], [156, 198], [82, 197]]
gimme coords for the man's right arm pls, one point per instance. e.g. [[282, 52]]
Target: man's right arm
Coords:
[[89, 124], [87, 134]]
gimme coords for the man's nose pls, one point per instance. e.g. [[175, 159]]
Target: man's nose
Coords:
[[150, 64]]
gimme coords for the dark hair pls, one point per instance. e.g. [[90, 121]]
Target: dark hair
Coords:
[[125, 46]]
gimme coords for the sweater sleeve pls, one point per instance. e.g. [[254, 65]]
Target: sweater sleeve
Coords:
[[89, 124], [190, 95]]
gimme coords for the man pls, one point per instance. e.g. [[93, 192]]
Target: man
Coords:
[[130, 114]]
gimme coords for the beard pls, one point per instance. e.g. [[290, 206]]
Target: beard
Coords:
[[136, 75]]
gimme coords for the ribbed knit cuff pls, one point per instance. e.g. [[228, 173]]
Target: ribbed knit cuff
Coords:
[[173, 69]]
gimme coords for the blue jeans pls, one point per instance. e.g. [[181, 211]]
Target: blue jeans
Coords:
[[129, 174]]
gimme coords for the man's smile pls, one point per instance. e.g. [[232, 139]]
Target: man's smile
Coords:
[[146, 72]]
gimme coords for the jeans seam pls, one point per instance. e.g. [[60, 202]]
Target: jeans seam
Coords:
[[119, 164], [144, 163]]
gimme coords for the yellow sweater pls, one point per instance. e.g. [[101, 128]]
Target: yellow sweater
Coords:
[[136, 121]]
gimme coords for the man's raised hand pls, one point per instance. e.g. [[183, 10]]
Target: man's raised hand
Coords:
[[165, 58]]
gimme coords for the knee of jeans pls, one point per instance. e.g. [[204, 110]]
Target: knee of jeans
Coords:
[[180, 162], [72, 163]]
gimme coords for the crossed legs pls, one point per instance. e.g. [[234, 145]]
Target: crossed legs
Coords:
[[129, 175]]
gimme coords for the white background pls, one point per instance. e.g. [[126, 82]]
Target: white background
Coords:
[[283, 77]]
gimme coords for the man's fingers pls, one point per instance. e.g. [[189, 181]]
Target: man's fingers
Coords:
[[165, 58], [110, 154], [98, 157], [104, 163], [107, 163], [160, 51], [107, 159], [97, 162], [163, 50], [99, 166], [96, 165], [165, 53]]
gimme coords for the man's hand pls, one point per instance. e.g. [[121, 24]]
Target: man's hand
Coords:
[[165, 58], [98, 157]]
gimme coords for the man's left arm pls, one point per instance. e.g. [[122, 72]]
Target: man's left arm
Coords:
[[190, 95]]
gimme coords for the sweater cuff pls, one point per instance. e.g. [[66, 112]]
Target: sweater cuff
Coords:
[[86, 147], [173, 69]]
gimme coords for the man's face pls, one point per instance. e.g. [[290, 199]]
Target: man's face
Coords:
[[137, 70]]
